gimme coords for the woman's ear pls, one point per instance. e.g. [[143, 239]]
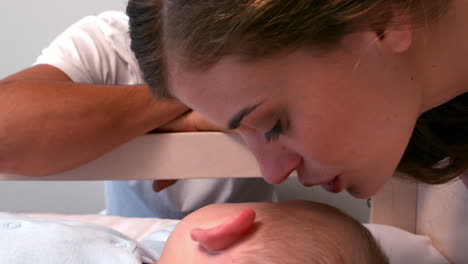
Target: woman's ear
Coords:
[[397, 33], [226, 234]]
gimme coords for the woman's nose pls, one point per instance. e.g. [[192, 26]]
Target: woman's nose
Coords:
[[275, 160]]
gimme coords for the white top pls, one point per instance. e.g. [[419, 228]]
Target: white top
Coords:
[[96, 50]]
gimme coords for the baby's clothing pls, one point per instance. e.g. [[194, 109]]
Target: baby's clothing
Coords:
[[154, 243], [26, 240]]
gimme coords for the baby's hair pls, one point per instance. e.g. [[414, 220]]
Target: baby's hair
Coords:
[[290, 237]]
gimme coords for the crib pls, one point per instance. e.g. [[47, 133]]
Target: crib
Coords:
[[413, 207]]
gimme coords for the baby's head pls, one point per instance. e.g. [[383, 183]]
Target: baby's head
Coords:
[[283, 233]]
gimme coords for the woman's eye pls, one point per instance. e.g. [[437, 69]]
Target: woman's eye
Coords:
[[274, 133]]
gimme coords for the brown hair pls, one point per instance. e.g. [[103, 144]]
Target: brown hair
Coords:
[[145, 23], [313, 233], [201, 32]]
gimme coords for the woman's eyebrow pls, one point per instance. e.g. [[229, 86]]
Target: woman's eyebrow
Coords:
[[237, 118]]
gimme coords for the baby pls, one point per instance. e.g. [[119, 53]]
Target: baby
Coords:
[[284, 233], [249, 233]]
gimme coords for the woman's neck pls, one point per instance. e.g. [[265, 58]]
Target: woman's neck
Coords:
[[440, 51]]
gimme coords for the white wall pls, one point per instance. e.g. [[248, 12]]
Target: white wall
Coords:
[[62, 197], [26, 27]]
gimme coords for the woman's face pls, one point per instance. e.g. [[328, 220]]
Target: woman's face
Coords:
[[341, 119]]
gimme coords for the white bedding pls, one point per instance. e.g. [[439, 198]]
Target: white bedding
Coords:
[[135, 228], [25, 240]]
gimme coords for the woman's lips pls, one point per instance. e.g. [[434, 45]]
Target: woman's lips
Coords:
[[334, 185]]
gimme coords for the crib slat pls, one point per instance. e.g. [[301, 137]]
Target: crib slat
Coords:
[[194, 155]]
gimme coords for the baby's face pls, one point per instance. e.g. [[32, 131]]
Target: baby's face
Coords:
[[182, 248]]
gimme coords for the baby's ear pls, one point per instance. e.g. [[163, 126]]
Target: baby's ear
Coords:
[[226, 234]]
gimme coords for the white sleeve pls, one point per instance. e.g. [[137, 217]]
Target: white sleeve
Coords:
[[94, 50], [402, 247]]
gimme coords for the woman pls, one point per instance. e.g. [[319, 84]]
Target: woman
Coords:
[[344, 92]]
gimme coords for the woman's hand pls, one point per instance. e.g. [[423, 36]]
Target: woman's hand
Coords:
[[160, 185], [190, 121]]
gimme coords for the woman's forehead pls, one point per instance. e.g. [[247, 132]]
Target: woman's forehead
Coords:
[[219, 93]]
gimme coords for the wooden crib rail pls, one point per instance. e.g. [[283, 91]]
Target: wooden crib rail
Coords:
[[167, 156]]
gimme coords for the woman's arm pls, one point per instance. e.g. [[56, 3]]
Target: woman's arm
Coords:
[[49, 124]]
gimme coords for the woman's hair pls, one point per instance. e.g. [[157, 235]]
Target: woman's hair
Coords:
[[145, 23], [200, 33], [312, 234], [438, 149]]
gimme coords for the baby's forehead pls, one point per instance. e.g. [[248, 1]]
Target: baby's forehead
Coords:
[[280, 212], [266, 207], [225, 209]]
